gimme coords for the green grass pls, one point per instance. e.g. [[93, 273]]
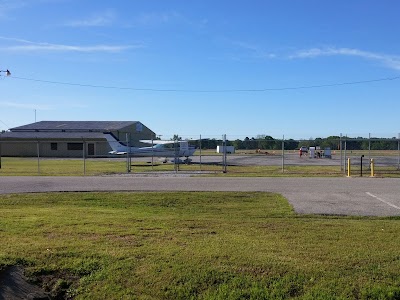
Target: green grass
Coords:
[[15, 166], [276, 171], [197, 245], [92, 167]]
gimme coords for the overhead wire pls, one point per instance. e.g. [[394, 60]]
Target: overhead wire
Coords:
[[210, 91]]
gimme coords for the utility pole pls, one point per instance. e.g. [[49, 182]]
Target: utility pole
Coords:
[[8, 73]]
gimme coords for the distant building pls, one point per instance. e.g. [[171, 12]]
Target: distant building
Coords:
[[70, 138]]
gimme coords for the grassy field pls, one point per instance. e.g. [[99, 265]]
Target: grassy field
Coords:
[[75, 167], [12, 166], [196, 246]]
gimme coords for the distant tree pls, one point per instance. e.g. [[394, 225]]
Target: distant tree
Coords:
[[249, 143], [291, 144], [386, 144], [238, 144], [176, 138], [246, 143], [271, 143], [353, 144], [266, 142], [210, 143], [332, 142]]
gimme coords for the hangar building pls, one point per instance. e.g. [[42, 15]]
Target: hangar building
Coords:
[[70, 138]]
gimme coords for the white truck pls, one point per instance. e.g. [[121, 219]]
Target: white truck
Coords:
[[229, 149]]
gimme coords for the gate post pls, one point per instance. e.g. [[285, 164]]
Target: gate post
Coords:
[[372, 167]]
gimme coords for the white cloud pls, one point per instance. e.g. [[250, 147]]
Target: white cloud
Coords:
[[7, 6], [68, 48], [30, 46], [156, 18], [29, 106], [43, 107], [164, 18], [96, 20], [255, 50], [390, 61]]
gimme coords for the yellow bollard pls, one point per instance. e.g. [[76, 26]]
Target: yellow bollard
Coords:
[[372, 167], [348, 167]]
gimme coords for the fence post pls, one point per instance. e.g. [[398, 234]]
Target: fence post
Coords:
[[200, 151], [345, 151], [348, 168], [38, 156], [224, 153], [84, 156], [372, 167], [361, 165], [283, 154], [176, 154], [152, 154], [369, 148], [398, 151], [341, 156], [128, 165]]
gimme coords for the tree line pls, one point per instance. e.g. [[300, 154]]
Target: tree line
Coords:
[[266, 142]]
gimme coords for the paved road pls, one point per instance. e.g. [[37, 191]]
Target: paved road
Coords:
[[339, 196], [274, 158]]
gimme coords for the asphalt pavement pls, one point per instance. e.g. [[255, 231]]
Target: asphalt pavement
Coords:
[[332, 196]]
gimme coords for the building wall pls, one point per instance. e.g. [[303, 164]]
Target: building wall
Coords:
[[18, 148], [63, 148], [134, 134]]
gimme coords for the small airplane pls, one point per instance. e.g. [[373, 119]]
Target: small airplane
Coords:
[[159, 148]]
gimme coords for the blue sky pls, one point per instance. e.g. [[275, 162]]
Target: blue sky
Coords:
[[204, 67]]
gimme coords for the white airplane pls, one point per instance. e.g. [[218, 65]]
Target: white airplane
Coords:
[[159, 148]]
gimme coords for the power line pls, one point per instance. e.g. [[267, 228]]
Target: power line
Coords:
[[5, 124], [210, 91]]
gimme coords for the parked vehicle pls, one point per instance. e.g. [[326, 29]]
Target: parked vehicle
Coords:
[[304, 149]]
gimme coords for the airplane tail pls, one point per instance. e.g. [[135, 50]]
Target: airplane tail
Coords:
[[186, 149], [115, 145]]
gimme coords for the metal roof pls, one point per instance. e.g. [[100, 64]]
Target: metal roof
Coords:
[[51, 135], [74, 125]]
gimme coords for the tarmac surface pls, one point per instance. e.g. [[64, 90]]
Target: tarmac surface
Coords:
[[274, 158], [329, 196]]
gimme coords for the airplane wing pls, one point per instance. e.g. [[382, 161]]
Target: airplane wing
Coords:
[[165, 142], [117, 152], [157, 142]]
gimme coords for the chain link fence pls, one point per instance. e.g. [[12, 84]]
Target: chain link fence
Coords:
[[333, 156]]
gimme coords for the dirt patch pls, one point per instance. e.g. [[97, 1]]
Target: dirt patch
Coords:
[[15, 285]]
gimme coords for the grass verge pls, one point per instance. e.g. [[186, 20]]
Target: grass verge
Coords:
[[196, 245]]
